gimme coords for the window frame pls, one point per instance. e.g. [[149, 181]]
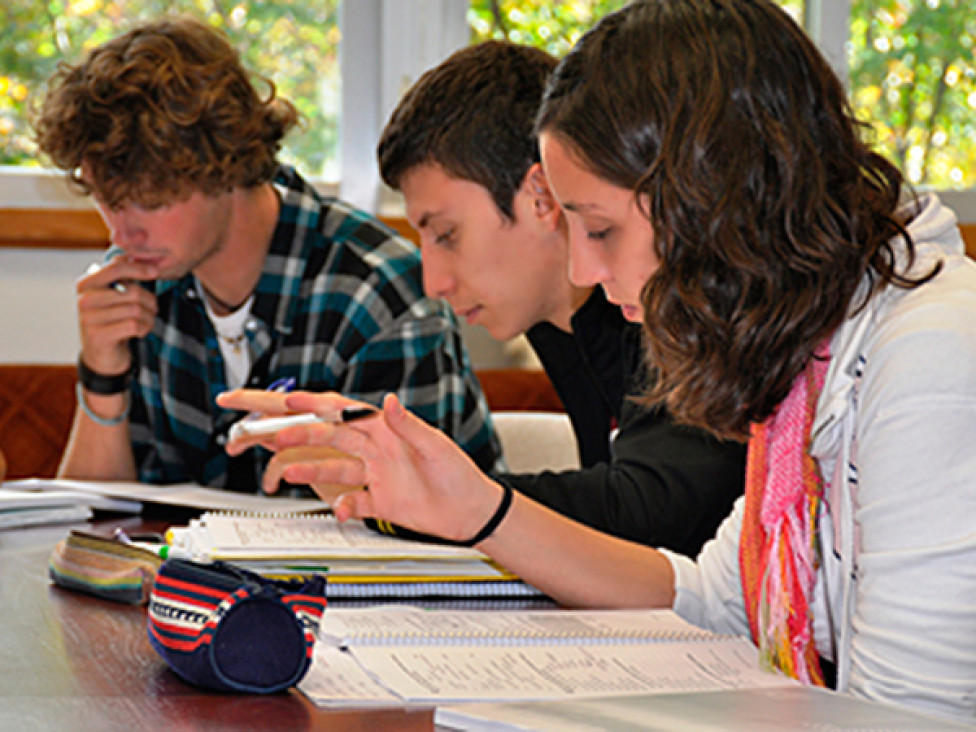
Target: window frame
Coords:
[[410, 35]]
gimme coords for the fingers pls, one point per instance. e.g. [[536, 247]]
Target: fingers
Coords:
[[115, 274], [274, 403], [237, 445], [270, 403], [273, 474], [107, 317], [358, 504], [339, 462], [335, 469], [257, 402], [110, 313], [325, 404], [411, 429]]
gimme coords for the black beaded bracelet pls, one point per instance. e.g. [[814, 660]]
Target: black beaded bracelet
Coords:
[[489, 528], [98, 383]]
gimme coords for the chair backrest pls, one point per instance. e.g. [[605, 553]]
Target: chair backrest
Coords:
[[537, 441], [37, 402], [969, 237]]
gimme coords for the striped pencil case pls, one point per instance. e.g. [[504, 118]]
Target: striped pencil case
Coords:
[[103, 567], [222, 627]]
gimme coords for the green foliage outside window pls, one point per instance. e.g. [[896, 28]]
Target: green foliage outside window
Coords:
[[553, 25], [913, 78], [912, 75], [294, 42], [912, 65]]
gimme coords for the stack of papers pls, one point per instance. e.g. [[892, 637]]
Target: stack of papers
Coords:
[[359, 562], [31, 508], [785, 709], [187, 495]]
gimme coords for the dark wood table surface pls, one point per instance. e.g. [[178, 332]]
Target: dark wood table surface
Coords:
[[69, 661]]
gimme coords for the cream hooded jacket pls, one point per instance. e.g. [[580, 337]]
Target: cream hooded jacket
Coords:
[[895, 437]]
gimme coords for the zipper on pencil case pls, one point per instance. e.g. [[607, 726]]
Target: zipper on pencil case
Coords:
[[220, 576]]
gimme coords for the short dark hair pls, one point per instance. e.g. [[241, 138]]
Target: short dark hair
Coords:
[[769, 212], [473, 116], [161, 111]]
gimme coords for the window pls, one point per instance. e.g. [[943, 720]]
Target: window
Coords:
[[554, 26], [910, 66], [913, 77], [293, 42]]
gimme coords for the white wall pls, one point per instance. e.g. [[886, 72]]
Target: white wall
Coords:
[[37, 304]]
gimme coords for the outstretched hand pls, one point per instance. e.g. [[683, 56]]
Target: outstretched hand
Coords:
[[416, 476], [262, 403]]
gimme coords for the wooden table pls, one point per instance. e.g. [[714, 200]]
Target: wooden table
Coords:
[[69, 661]]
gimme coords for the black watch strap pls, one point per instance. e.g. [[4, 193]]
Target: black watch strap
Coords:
[[98, 383]]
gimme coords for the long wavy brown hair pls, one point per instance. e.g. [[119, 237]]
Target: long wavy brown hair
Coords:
[[159, 112], [769, 210]]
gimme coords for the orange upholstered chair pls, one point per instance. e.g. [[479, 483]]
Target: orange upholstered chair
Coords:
[[37, 402]]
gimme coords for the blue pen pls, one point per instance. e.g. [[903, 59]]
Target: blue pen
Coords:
[[281, 386]]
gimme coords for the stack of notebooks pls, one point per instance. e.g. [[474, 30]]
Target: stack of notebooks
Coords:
[[359, 562]]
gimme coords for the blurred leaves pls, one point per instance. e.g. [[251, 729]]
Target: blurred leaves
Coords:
[[911, 71], [912, 65], [913, 77], [552, 25], [293, 42]]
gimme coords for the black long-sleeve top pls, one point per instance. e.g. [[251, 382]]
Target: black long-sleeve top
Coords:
[[653, 481]]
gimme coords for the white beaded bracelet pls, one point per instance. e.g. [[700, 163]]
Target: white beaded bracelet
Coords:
[[101, 421]]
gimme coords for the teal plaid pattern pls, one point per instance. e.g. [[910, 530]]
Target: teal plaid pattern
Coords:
[[339, 307]]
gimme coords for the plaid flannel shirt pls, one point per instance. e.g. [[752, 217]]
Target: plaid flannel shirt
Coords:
[[340, 307]]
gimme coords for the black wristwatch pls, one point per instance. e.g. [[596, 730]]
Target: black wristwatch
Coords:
[[98, 383]]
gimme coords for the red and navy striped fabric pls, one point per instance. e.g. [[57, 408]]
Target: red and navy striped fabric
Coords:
[[222, 627]]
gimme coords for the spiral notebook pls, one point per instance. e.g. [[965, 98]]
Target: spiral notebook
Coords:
[[359, 562], [246, 536], [406, 656], [386, 625]]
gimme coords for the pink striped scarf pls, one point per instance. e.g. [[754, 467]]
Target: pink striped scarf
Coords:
[[778, 552]]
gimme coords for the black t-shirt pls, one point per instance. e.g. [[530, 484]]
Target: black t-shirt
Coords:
[[654, 482]]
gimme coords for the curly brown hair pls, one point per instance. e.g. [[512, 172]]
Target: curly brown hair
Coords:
[[769, 210], [159, 112]]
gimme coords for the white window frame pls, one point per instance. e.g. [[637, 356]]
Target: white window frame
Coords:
[[404, 37]]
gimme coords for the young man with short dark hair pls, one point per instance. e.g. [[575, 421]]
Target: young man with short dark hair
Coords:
[[461, 149]]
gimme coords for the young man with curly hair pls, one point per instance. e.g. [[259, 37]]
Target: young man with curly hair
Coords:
[[227, 269]]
